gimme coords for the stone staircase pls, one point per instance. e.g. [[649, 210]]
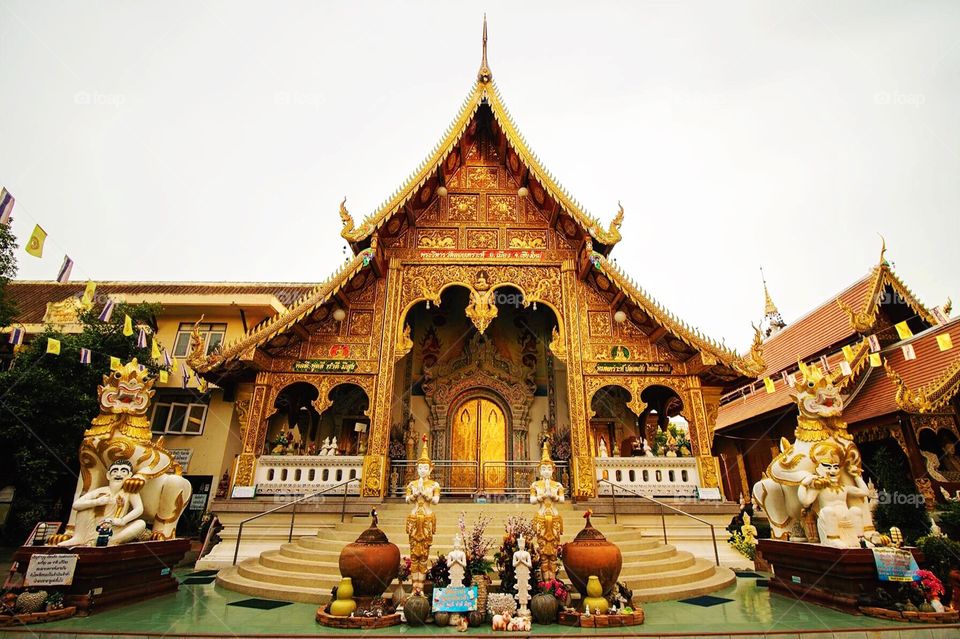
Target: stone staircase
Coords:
[[307, 568]]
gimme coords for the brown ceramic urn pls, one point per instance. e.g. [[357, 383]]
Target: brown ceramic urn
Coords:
[[371, 562], [591, 554]]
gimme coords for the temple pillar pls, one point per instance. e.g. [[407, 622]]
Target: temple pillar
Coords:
[[254, 430], [582, 474], [701, 435], [373, 481]]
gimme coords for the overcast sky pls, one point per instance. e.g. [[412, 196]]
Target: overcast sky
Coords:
[[213, 141]]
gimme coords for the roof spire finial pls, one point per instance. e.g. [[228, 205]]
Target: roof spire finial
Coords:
[[484, 75], [772, 320]]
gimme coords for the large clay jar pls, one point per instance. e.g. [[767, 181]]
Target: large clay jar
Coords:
[[371, 562], [416, 609], [544, 608], [591, 554]]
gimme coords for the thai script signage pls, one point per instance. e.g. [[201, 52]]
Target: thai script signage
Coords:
[[455, 599], [895, 564], [643, 368], [532, 255], [325, 366], [50, 570]]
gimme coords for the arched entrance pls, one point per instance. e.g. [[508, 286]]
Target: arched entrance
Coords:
[[479, 434]]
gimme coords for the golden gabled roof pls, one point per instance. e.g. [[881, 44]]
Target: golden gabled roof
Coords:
[[310, 301], [751, 364], [484, 91], [882, 275]]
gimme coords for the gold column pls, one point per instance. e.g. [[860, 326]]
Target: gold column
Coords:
[[742, 469], [254, 435], [375, 461], [700, 432], [582, 469]]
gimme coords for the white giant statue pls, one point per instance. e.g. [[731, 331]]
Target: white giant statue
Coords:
[[110, 511], [813, 475], [122, 432]]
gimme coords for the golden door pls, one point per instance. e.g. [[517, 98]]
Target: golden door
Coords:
[[479, 435]]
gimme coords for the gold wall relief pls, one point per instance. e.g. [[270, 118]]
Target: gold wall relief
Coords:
[[404, 343], [482, 238], [517, 239], [599, 323], [709, 473], [255, 435], [481, 309], [462, 208], [361, 322], [482, 177], [557, 345], [437, 238], [501, 208], [582, 471]]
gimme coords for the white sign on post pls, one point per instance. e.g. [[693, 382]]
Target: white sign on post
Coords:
[[50, 570], [182, 456], [709, 494]]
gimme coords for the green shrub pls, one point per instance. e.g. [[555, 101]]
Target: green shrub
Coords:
[[941, 554], [899, 504]]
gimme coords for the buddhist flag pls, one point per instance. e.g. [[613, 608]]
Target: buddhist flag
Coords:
[[141, 337], [114, 363], [6, 206], [903, 330], [768, 384], [186, 376], [87, 300], [874, 344], [167, 361], [203, 384], [792, 379], [154, 349], [875, 360], [908, 352], [944, 342], [53, 346], [164, 376], [127, 326], [16, 336], [65, 269], [107, 311], [35, 243], [824, 364], [940, 315], [845, 368], [848, 353], [784, 378], [84, 355]]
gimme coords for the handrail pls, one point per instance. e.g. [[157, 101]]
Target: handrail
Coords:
[[510, 468], [663, 521], [293, 513]]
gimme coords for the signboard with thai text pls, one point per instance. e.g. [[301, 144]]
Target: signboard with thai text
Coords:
[[182, 456], [455, 599], [895, 564], [325, 366], [50, 570], [531, 255], [642, 368]]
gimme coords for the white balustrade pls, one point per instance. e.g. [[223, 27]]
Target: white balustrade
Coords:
[[305, 474], [648, 475]]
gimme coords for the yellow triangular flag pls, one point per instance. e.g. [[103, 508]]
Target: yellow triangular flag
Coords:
[[203, 384], [164, 376], [53, 346], [154, 349], [875, 360], [903, 330], [848, 353], [768, 384], [127, 326], [87, 300], [35, 244], [944, 342], [114, 363], [176, 364]]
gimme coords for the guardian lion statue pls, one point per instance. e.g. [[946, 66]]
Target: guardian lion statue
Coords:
[[122, 432], [782, 491]]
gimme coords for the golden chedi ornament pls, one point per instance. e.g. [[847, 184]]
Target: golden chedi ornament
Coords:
[[423, 493], [547, 523]]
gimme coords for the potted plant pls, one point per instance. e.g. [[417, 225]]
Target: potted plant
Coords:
[[399, 593], [932, 589], [546, 603]]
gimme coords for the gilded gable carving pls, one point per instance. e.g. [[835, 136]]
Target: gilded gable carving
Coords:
[[462, 208], [482, 238], [482, 177], [599, 323], [437, 238], [517, 239], [360, 322], [502, 208]]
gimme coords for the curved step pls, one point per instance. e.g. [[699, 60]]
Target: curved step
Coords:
[[662, 566], [278, 560], [254, 570], [721, 578], [230, 579], [700, 569]]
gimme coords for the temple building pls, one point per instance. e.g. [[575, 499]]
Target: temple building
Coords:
[[905, 400]]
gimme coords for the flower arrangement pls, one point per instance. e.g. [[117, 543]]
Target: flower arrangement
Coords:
[[439, 572], [514, 527], [476, 545], [554, 587], [560, 447], [746, 547], [405, 568], [929, 585], [279, 445]]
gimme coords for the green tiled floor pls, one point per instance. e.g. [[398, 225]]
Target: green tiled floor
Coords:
[[197, 610]]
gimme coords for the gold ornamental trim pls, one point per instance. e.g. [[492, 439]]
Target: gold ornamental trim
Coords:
[[929, 397]]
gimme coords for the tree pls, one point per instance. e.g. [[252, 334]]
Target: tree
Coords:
[[898, 504], [46, 403], [8, 270]]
